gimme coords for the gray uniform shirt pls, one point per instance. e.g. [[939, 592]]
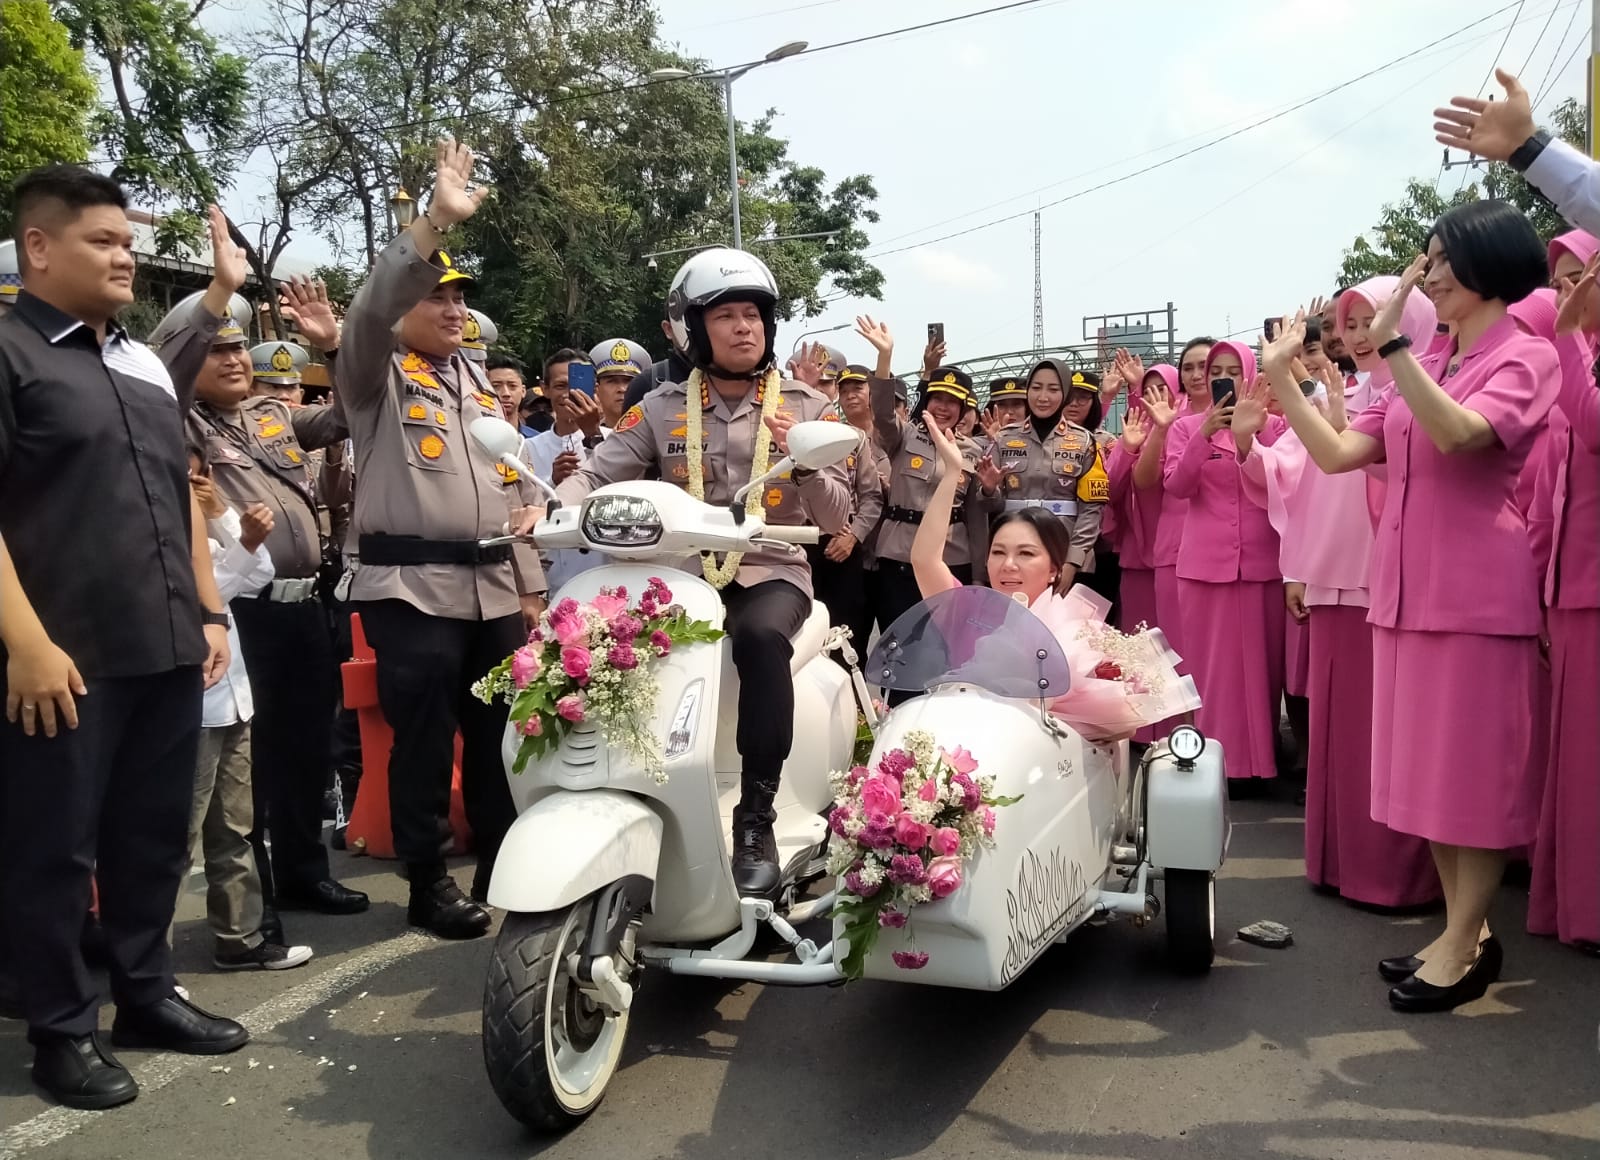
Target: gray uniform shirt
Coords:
[[914, 474], [1049, 469], [420, 473], [652, 434]]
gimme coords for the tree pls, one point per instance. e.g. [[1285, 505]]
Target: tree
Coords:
[[174, 128], [46, 93], [1401, 232]]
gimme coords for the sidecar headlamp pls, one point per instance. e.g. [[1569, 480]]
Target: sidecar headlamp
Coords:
[[1187, 744], [621, 521]]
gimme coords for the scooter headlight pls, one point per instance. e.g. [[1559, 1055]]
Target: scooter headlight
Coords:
[[621, 521], [1186, 743]]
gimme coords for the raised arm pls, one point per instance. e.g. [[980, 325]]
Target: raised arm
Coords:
[[626, 454], [927, 549], [1335, 452]]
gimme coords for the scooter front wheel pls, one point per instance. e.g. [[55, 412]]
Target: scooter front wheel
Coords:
[[1191, 910], [549, 1048]]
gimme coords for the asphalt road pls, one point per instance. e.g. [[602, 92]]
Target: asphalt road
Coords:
[[373, 1050]]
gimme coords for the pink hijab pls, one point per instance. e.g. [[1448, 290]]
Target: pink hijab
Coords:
[[1578, 243], [1247, 358], [1418, 320]]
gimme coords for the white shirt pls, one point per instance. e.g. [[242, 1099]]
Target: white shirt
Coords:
[[238, 573], [1571, 180], [541, 450]]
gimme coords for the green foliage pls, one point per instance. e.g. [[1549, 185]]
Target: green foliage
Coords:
[[178, 108], [1402, 229], [46, 94], [341, 281]]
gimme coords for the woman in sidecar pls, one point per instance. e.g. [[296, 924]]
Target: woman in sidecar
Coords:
[[1120, 682]]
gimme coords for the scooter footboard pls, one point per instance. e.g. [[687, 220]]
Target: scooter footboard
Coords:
[[568, 845]]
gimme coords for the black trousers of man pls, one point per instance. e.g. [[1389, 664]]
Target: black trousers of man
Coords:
[[426, 668], [1106, 580], [107, 802], [761, 623], [289, 656], [895, 593], [842, 587]]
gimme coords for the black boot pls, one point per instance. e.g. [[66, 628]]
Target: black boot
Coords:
[[438, 905], [755, 852]]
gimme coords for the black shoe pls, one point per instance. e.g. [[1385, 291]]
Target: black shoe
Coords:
[[325, 897], [1415, 996], [755, 859], [1398, 970], [338, 840], [174, 1024], [440, 906], [80, 1073], [10, 998], [264, 956]]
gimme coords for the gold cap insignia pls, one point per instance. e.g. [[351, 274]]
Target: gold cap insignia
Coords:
[[471, 331], [949, 377], [282, 360], [620, 353]]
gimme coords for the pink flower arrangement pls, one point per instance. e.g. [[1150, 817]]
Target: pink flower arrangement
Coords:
[[903, 833], [587, 664]]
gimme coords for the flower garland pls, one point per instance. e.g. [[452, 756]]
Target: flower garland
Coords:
[[769, 396]]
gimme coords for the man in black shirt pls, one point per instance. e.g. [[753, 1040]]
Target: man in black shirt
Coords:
[[111, 625]]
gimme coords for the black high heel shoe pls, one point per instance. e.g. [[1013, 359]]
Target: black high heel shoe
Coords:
[[1415, 996], [1398, 970]]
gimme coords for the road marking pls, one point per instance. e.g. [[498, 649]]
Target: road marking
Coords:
[[58, 1123]]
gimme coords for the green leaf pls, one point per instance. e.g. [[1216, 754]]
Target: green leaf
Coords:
[[1003, 801]]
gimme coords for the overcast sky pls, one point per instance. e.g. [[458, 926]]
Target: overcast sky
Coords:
[[1001, 114]]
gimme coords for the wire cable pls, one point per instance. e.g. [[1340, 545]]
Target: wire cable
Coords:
[[1555, 79], [1571, 20]]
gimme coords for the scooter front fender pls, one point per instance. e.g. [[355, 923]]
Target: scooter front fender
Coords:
[[571, 843]]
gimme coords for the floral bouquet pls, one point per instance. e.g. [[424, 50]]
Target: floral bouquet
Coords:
[[1121, 681], [590, 663], [903, 834]]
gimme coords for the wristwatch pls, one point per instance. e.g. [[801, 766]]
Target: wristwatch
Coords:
[[1529, 151], [220, 619]]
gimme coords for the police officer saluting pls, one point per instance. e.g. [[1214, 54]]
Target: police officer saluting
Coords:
[[710, 436], [259, 449], [438, 610]]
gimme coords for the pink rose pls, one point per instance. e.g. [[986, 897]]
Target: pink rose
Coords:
[[575, 662], [910, 833], [986, 820], [945, 840], [532, 727], [525, 666], [960, 760], [910, 960], [570, 708], [623, 657], [858, 774], [609, 603], [893, 919], [880, 798], [661, 642], [569, 627], [929, 791], [944, 876]]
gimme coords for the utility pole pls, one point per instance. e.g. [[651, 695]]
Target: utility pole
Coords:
[[1038, 286]]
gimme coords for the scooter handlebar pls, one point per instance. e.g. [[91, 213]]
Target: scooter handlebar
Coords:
[[790, 534]]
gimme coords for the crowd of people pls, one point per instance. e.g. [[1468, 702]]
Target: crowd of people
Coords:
[[1379, 523]]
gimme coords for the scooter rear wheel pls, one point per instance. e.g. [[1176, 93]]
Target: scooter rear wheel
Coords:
[[549, 1049], [1191, 913]]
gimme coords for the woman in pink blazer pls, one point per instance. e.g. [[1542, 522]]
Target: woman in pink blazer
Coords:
[[1454, 595], [1230, 594], [1148, 476]]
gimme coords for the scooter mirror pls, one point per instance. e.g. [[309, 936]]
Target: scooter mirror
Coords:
[[820, 444], [495, 436]]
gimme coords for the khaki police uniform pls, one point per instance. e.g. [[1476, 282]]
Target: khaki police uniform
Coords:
[[438, 611], [842, 585], [1050, 473]]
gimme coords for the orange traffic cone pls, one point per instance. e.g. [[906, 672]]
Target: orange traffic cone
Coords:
[[369, 831]]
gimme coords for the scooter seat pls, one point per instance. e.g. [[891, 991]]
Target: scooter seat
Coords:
[[812, 637]]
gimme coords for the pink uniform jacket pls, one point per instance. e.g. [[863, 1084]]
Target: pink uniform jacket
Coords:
[[1452, 552], [1226, 536]]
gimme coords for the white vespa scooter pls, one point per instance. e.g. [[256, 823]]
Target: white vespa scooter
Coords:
[[606, 871]]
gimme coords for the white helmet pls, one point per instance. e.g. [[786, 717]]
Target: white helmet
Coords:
[[712, 277]]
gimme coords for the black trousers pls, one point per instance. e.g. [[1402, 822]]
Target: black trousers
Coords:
[[108, 801], [346, 746], [842, 589], [1106, 579], [289, 655], [895, 593], [426, 668], [761, 620]]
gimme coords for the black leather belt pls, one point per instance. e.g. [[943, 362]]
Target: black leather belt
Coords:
[[385, 551], [902, 515]]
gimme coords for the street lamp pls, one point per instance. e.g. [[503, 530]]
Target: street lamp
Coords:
[[828, 235], [812, 333], [727, 76], [404, 207]]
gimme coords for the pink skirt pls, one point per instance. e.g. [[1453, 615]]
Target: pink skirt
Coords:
[[1234, 634], [1138, 596], [1451, 736], [1169, 612], [1565, 899], [1345, 849], [1296, 655]]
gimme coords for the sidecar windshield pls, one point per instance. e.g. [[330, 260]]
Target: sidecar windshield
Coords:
[[971, 636]]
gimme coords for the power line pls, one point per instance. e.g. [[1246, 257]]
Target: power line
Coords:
[[1566, 32], [1540, 40], [1202, 147], [1489, 76], [1555, 78]]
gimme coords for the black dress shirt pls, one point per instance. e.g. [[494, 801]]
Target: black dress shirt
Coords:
[[94, 487]]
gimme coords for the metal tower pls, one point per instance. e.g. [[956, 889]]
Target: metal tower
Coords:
[[1038, 291]]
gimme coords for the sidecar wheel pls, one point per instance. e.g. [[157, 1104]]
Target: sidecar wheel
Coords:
[[1191, 911], [549, 1049]]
